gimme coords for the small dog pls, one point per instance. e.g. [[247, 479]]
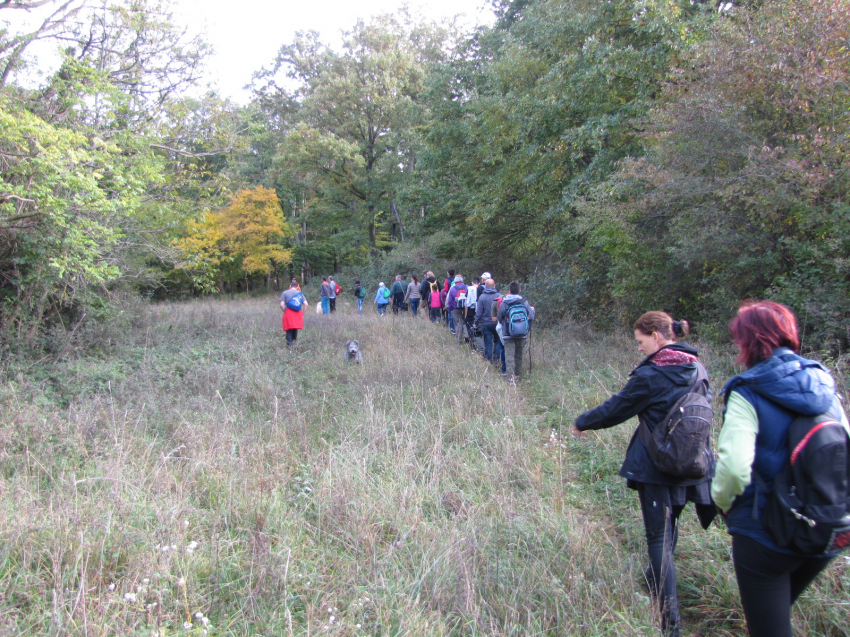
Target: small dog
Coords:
[[352, 352]]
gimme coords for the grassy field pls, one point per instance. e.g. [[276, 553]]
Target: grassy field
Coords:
[[177, 471]]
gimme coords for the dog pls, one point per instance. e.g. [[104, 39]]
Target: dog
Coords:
[[352, 352]]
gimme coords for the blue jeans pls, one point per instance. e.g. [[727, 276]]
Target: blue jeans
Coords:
[[360, 305], [493, 347], [326, 305], [382, 308], [414, 306]]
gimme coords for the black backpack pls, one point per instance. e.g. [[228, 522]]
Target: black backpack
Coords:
[[680, 445], [808, 510]]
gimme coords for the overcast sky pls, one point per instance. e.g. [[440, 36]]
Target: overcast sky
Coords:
[[246, 34]]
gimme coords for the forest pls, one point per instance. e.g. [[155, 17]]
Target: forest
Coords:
[[613, 156]]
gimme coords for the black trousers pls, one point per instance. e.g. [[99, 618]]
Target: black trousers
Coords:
[[291, 337], [770, 583], [332, 303]]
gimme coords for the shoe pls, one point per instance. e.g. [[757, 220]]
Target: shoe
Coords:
[[504, 373]]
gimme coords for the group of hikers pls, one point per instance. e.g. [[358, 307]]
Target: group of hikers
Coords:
[[779, 477]]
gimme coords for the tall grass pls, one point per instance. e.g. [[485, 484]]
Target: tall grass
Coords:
[[184, 473]]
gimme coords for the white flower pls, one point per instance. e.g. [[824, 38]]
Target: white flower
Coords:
[[130, 597], [181, 582], [191, 546], [357, 626], [332, 619], [146, 581], [187, 625], [199, 615], [111, 587]]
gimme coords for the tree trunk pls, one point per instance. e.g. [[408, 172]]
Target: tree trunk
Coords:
[[394, 208]]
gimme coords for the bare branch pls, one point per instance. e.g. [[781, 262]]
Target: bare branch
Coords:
[[186, 153]]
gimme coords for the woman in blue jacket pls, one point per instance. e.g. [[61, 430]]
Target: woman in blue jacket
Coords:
[[761, 403], [666, 374], [381, 299]]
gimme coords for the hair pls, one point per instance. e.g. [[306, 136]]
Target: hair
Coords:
[[475, 279], [662, 323], [324, 278], [429, 274], [397, 277], [759, 328], [293, 283], [513, 288], [357, 282], [331, 278], [451, 273], [415, 278]]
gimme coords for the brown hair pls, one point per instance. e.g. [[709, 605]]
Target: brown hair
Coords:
[[662, 323], [761, 327]]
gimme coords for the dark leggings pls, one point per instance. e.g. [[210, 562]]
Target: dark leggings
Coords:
[[769, 583], [661, 523], [291, 337]]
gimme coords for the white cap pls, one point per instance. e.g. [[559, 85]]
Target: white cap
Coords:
[[486, 276]]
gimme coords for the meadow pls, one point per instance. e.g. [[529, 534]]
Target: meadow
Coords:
[[174, 470]]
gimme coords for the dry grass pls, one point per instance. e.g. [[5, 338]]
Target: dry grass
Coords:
[[192, 465]]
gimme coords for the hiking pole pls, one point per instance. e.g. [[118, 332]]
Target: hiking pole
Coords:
[[529, 351]]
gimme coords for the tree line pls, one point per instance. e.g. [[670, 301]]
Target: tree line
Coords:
[[616, 156]]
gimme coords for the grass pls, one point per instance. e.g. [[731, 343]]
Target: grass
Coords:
[[178, 472]]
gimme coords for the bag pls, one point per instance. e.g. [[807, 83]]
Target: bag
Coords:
[[808, 510], [460, 299], [516, 320], [472, 297], [337, 289], [360, 292], [680, 444], [499, 332], [296, 303], [386, 293]]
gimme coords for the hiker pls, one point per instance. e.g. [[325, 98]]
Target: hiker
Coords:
[[444, 293], [382, 298], [326, 296], [359, 294], [485, 321], [293, 304], [469, 313], [413, 294], [456, 307], [667, 373], [761, 404], [433, 296], [334, 289], [397, 294], [515, 316]]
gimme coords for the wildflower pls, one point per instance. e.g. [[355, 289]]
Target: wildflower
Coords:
[[357, 626], [130, 597], [111, 586], [199, 615], [191, 546], [332, 619], [181, 582], [146, 581], [173, 547], [187, 625]]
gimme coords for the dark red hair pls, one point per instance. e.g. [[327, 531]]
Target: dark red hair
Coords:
[[761, 327]]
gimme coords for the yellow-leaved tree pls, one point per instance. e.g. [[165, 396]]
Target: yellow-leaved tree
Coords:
[[250, 232]]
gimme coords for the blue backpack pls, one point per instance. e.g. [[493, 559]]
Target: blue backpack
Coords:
[[516, 320], [296, 303]]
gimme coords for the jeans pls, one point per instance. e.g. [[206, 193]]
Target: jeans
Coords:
[[326, 304], [435, 315], [382, 308], [661, 525], [458, 322], [770, 582], [451, 320], [332, 303], [514, 348], [291, 337], [360, 306], [492, 345], [414, 306]]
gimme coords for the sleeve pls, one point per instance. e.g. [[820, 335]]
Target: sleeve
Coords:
[[531, 312], [630, 401], [736, 451]]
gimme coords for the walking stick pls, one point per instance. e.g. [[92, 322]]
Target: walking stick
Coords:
[[529, 351]]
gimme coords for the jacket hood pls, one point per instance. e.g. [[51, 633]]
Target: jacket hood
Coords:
[[509, 298], [798, 384], [491, 291]]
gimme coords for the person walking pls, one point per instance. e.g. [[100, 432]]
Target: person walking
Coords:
[[514, 332], [761, 403], [413, 295], [457, 313], [444, 293], [292, 304], [484, 319], [326, 296], [334, 289], [359, 294], [667, 373], [397, 293], [433, 297], [382, 299]]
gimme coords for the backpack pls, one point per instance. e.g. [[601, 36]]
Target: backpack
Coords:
[[360, 292], [386, 293], [460, 299], [337, 289], [434, 286], [296, 303], [808, 510], [471, 297], [680, 445], [517, 324]]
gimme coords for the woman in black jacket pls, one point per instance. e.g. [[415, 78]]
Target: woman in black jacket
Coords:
[[666, 374]]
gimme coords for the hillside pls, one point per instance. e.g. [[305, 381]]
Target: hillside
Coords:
[[185, 462]]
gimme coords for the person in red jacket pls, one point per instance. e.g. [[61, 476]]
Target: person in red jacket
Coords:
[[293, 320]]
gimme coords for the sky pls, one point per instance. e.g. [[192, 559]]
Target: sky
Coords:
[[246, 34]]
